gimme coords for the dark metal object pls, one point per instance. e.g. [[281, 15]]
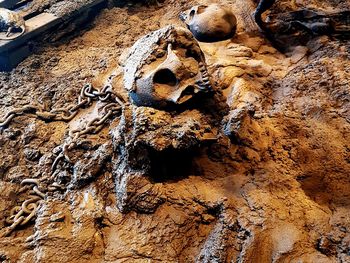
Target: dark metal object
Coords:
[[298, 27], [8, 3], [263, 6]]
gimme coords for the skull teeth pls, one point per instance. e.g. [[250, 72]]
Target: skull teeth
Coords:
[[202, 67], [204, 72], [204, 84], [207, 83]]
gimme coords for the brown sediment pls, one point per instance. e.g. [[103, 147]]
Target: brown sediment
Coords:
[[273, 187]]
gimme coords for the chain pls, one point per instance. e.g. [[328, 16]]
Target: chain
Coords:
[[91, 127], [87, 95], [21, 215]]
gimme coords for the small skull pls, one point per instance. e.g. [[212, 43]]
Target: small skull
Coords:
[[210, 23], [165, 68]]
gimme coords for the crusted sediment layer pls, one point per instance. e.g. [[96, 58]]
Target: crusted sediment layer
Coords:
[[272, 187]]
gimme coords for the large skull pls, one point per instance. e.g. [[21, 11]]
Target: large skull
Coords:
[[165, 67], [210, 23]]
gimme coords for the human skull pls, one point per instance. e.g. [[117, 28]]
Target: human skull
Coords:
[[210, 23], [165, 68]]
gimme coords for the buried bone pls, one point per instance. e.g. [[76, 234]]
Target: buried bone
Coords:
[[10, 21], [164, 68], [210, 23]]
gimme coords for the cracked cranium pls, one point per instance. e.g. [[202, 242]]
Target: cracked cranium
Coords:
[[164, 68]]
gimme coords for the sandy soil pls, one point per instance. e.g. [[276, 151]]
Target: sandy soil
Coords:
[[275, 187]]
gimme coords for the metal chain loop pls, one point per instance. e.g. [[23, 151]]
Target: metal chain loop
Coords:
[[87, 95], [91, 127], [16, 112], [23, 214]]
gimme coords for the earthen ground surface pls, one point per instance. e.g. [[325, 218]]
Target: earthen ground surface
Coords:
[[279, 191]]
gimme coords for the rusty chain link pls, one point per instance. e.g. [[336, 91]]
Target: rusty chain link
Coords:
[[87, 95], [91, 127], [21, 215]]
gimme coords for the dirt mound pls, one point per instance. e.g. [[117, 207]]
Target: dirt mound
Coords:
[[274, 186]]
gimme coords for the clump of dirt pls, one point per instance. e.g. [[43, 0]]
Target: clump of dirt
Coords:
[[273, 186]]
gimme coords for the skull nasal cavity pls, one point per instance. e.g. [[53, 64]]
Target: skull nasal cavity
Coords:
[[165, 76]]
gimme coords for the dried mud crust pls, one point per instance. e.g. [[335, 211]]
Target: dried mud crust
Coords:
[[274, 187]]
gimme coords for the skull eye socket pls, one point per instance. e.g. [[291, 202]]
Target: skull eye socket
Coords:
[[165, 76], [192, 13]]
